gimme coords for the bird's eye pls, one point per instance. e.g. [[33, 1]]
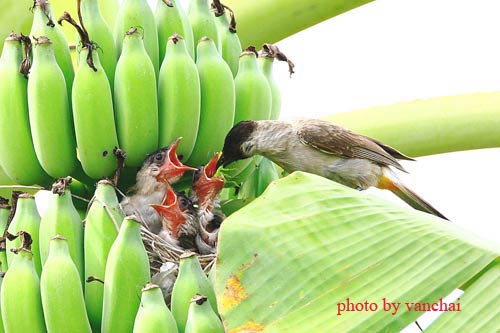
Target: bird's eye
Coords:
[[247, 148], [159, 157], [197, 174], [183, 203]]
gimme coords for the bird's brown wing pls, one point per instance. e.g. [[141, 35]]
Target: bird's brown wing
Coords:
[[333, 139], [392, 151]]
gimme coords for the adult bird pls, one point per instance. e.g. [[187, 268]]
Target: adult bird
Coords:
[[325, 149], [158, 169]]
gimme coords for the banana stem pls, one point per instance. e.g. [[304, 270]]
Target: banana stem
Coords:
[[26, 63], [93, 278], [431, 126], [262, 21], [43, 5], [168, 3], [272, 51], [84, 36], [26, 241]]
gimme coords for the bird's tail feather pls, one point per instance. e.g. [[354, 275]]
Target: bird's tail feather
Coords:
[[408, 196]]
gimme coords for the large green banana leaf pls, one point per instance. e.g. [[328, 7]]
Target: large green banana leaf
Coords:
[[481, 304], [269, 21], [288, 259]]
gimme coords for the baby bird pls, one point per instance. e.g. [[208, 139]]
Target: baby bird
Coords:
[[179, 219], [158, 169], [193, 223], [205, 194]]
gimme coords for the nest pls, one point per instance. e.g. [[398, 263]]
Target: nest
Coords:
[[160, 252]]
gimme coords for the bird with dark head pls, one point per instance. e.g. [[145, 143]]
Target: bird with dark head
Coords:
[[179, 219], [324, 149], [158, 169], [237, 145]]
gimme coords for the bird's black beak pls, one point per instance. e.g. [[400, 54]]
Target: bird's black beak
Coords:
[[221, 162]]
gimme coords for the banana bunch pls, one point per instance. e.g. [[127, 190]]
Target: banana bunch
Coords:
[[136, 86], [116, 269]]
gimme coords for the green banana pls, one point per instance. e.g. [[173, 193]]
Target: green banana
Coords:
[[217, 102], [26, 218], [101, 34], [60, 288], [238, 172], [49, 112], [44, 25], [253, 102], [136, 105], [4, 217], [102, 222], [266, 65], [92, 110], [253, 94], [178, 97], [94, 119], [153, 315], [257, 182], [249, 186], [255, 178], [170, 19], [230, 42], [266, 61], [191, 280], [20, 299], [62, 218], [17, 154], [203, 22], [127, 272], [267, 174], [137, 13], [202, 318]]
